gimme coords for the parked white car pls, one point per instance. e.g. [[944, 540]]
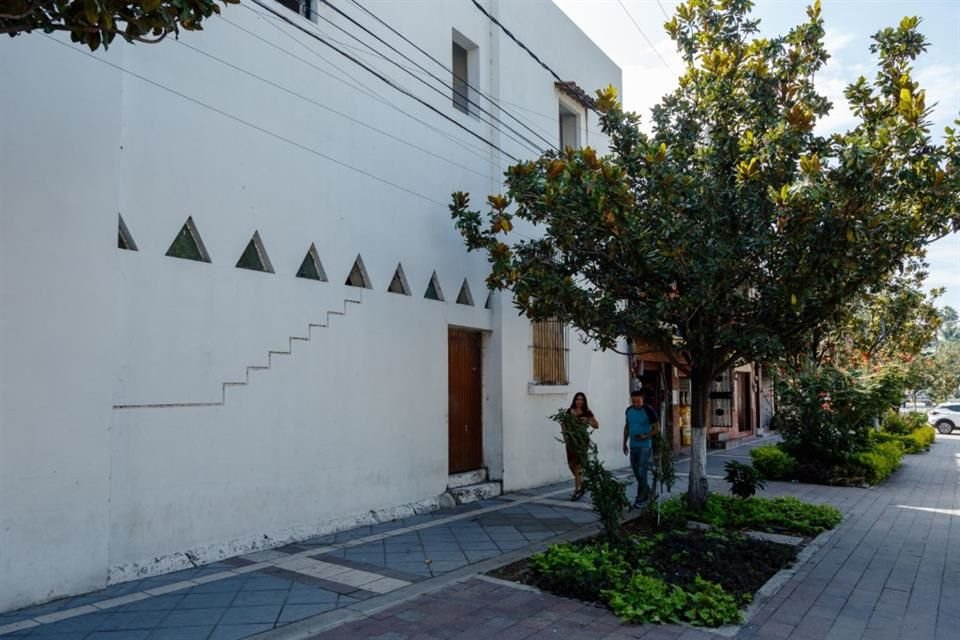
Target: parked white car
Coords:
[[945, 417]]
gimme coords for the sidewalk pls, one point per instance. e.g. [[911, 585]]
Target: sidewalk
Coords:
[[417, 577]]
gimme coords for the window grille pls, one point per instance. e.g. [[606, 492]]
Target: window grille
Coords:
[[549, 352]]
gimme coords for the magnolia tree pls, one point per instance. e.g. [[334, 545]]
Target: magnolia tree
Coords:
[[887, 325], [732, 231], [96, 22]]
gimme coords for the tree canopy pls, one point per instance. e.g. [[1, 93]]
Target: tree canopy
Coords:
[[733, 231], [96, 22]]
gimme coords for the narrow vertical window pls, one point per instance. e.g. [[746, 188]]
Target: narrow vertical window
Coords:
[[549, 352], [569, 128], [460, 79]]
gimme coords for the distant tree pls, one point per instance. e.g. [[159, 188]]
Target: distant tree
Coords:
[[887, 324], [950, 328], [96, 22], [940, 372], [733, 231]]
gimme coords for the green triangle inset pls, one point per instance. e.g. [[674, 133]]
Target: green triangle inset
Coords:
[[254, 257], [399, 282], [358, 275], [434, 292], [188, 245], [465, 297], [310, 268], [124, 239]]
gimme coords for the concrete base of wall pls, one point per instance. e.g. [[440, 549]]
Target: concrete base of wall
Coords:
[[206, 554]]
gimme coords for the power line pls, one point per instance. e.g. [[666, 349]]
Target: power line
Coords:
[[492, 117], [366, 90], [495, 103], [330, 109], [649, 42], [247, 123], [383, 78], [466, 145], [663, 11], [516, 40]]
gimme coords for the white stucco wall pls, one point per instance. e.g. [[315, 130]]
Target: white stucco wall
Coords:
[[354, 420], [57, 239]]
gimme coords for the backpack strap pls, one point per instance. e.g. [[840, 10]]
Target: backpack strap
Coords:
[[651, 414]]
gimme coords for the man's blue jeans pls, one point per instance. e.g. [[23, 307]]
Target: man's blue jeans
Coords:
[[640, 463]]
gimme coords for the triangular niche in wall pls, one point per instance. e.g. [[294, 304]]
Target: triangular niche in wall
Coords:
[[433, 292], [124, 239], [358, 275], [188, 244], [489, 303], [255, 257], [465, 297], [398, 284], [311, 268]]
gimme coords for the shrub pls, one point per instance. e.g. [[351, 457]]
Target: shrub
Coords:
[[828, 412], [914, 442], [877, 463], [786, 514], [600, 573], [903, 424], [921, 439], [608, 495], [581, 571], [744, 480], [646, 598], [772, 462]]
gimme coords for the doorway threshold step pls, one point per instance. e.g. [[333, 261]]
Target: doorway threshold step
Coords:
[[476, 492], [457, 480]]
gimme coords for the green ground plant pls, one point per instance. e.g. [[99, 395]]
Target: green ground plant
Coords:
[[772, 462], [784, 514]]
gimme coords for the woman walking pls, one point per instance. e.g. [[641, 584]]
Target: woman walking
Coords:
[[579, 409]]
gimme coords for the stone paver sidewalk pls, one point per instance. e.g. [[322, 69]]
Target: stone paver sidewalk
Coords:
[[890, 571]]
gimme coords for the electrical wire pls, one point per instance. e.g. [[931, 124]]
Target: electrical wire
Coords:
[[649, 42], [329, 109], [516, 40], [384, 79], [493, 102], [356, 85], [247, 123], [516, 137], [663, 11]]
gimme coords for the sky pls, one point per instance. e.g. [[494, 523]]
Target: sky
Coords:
[[650, 66]]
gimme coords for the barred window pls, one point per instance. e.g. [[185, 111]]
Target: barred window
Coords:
[[549, 352]]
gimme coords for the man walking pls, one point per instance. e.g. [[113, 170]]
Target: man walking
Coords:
[[641, 426]]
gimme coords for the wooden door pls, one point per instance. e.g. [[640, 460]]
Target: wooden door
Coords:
[[465, 398]]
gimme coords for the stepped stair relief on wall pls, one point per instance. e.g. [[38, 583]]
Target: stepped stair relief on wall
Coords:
[[271, 355]]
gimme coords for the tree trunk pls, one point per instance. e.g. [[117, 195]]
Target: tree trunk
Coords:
[[700, 382]]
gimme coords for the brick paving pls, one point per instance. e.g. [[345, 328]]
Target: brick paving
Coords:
[[891, 570]]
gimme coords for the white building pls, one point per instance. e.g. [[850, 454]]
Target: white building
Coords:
[[150, 415]]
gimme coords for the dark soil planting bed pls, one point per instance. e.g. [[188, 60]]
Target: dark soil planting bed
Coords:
[[702, 577]]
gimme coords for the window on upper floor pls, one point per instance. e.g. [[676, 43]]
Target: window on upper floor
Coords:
[[303, 7], [460, 88], [465, 70], [569, 127], [550, 352]]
